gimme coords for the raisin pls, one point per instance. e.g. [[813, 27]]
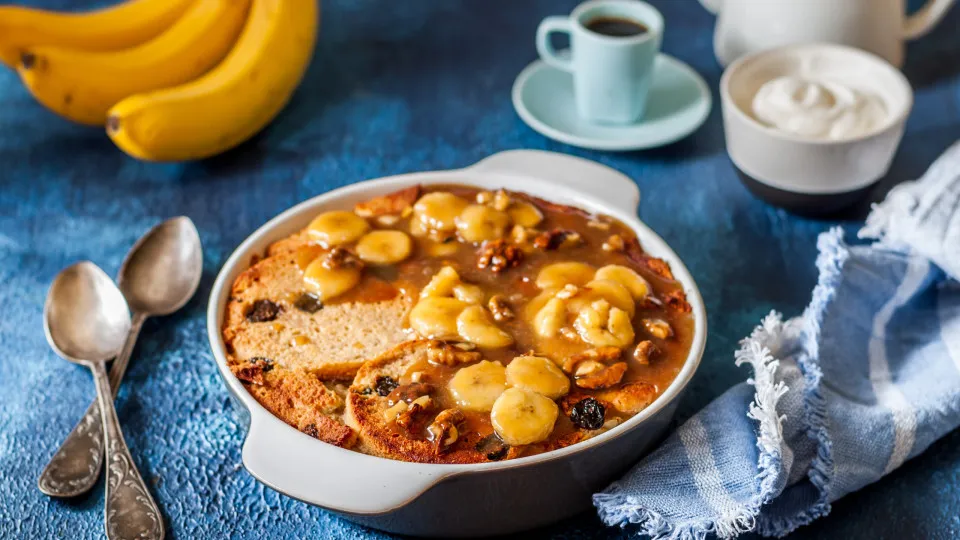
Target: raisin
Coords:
[[311, 430], [588, 414], [263, 362], [385, 385], [263, 311], [492, 447], [308, 302]]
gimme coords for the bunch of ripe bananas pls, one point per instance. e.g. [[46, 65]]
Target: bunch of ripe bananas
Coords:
[[171, 80]]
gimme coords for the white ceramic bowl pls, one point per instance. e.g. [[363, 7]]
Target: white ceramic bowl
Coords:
[[456, 500], [811, 176]]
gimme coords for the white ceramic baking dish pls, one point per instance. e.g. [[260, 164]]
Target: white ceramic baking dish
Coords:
[[457, 500]]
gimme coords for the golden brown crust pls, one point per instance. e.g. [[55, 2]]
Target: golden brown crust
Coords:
[[301, 400], [389, 204]]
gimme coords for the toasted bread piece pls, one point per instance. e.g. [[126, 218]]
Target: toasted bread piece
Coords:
[[298, 398], [262, 320]]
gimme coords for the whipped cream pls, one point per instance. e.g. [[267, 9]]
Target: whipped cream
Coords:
[[818, 108]]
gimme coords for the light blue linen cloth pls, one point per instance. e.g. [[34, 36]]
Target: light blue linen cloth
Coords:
[[865, 379]]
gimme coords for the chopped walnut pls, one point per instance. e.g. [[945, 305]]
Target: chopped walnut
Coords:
[[408, 393], [443, 431], [499, 308], [449, 355], [604, 378], [557, 239], [391, 204], [658, 328], [614, 243], [644, 352], [630, 398], [601, 354], [339, 257], [415, 413], [499, 255], [252, 370], [597, 224], [520, 235], [677, 300], [659, 267]]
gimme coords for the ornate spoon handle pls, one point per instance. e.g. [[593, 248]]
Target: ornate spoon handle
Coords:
[[129, 510], [74, 468]]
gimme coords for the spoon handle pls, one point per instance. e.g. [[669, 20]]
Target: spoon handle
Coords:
[[129, 510], [75, 467]]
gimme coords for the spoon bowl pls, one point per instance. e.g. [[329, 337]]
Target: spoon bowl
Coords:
[[163, 269], [85, 317]]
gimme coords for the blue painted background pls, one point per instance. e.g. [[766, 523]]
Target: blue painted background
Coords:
[[396, 86]]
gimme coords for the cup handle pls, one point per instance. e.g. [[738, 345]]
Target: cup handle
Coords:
[[921, 22], [545, 48]]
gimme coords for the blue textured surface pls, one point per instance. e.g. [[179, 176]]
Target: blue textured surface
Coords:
[[395, 87]]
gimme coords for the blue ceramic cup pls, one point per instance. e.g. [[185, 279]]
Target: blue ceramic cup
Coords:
[[611, 73]]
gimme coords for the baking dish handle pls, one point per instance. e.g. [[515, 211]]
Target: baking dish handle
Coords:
[[580, 174], [333, 478]]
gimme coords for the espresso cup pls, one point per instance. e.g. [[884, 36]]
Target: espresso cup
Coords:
[[613, 45]]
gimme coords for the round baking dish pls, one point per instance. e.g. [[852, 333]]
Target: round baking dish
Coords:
[[456, 500]]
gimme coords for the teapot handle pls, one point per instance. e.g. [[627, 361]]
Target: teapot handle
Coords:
[[714, 6], [921, 22]]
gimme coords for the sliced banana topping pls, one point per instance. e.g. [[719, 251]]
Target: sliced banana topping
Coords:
[[327, 282], [436, 318], [441, 284], [475, 325], [337, 227], [557, 275], [601, 325], [627, 277], [604, 289], [477, 387], [537, 374], [471, 294], [521, 416], [478, 223], [551, 317], [439, 210], [384, 247], [524, 214]]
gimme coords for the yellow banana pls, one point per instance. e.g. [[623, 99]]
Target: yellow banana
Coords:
[[83, 85], [118, 27], [231, 103]]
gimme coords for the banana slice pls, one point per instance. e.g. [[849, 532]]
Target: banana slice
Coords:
[[477, 387], [471, 294], [384, 247], [441, 284], [537, 374], [601, 325], [328, 283], [523, 417], [525, 214], [556, 275], [475, 326], [551, 317], [337, 227], [436, 318], [637, 286], [605, 289], [479, 223], [438, 211]]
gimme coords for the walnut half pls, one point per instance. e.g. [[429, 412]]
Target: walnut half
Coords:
[[499, 255]]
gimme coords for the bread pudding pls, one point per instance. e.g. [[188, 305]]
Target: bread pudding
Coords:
[[447, 324]]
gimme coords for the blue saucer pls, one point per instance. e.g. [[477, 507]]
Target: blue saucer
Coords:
[[678, 103]]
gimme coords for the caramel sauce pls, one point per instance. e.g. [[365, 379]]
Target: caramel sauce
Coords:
[[517, 286]]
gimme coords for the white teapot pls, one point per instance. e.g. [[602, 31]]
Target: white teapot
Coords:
[[878, 26]]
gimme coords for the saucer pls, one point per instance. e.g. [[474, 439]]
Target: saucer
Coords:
[[678, 103]]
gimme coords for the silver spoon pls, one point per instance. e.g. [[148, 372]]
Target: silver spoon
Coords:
[[159, 275], [86, 322]]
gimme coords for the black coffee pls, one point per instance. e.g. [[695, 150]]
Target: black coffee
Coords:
[[616, 27]]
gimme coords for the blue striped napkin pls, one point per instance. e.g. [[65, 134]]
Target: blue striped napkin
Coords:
[[865, 379]]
